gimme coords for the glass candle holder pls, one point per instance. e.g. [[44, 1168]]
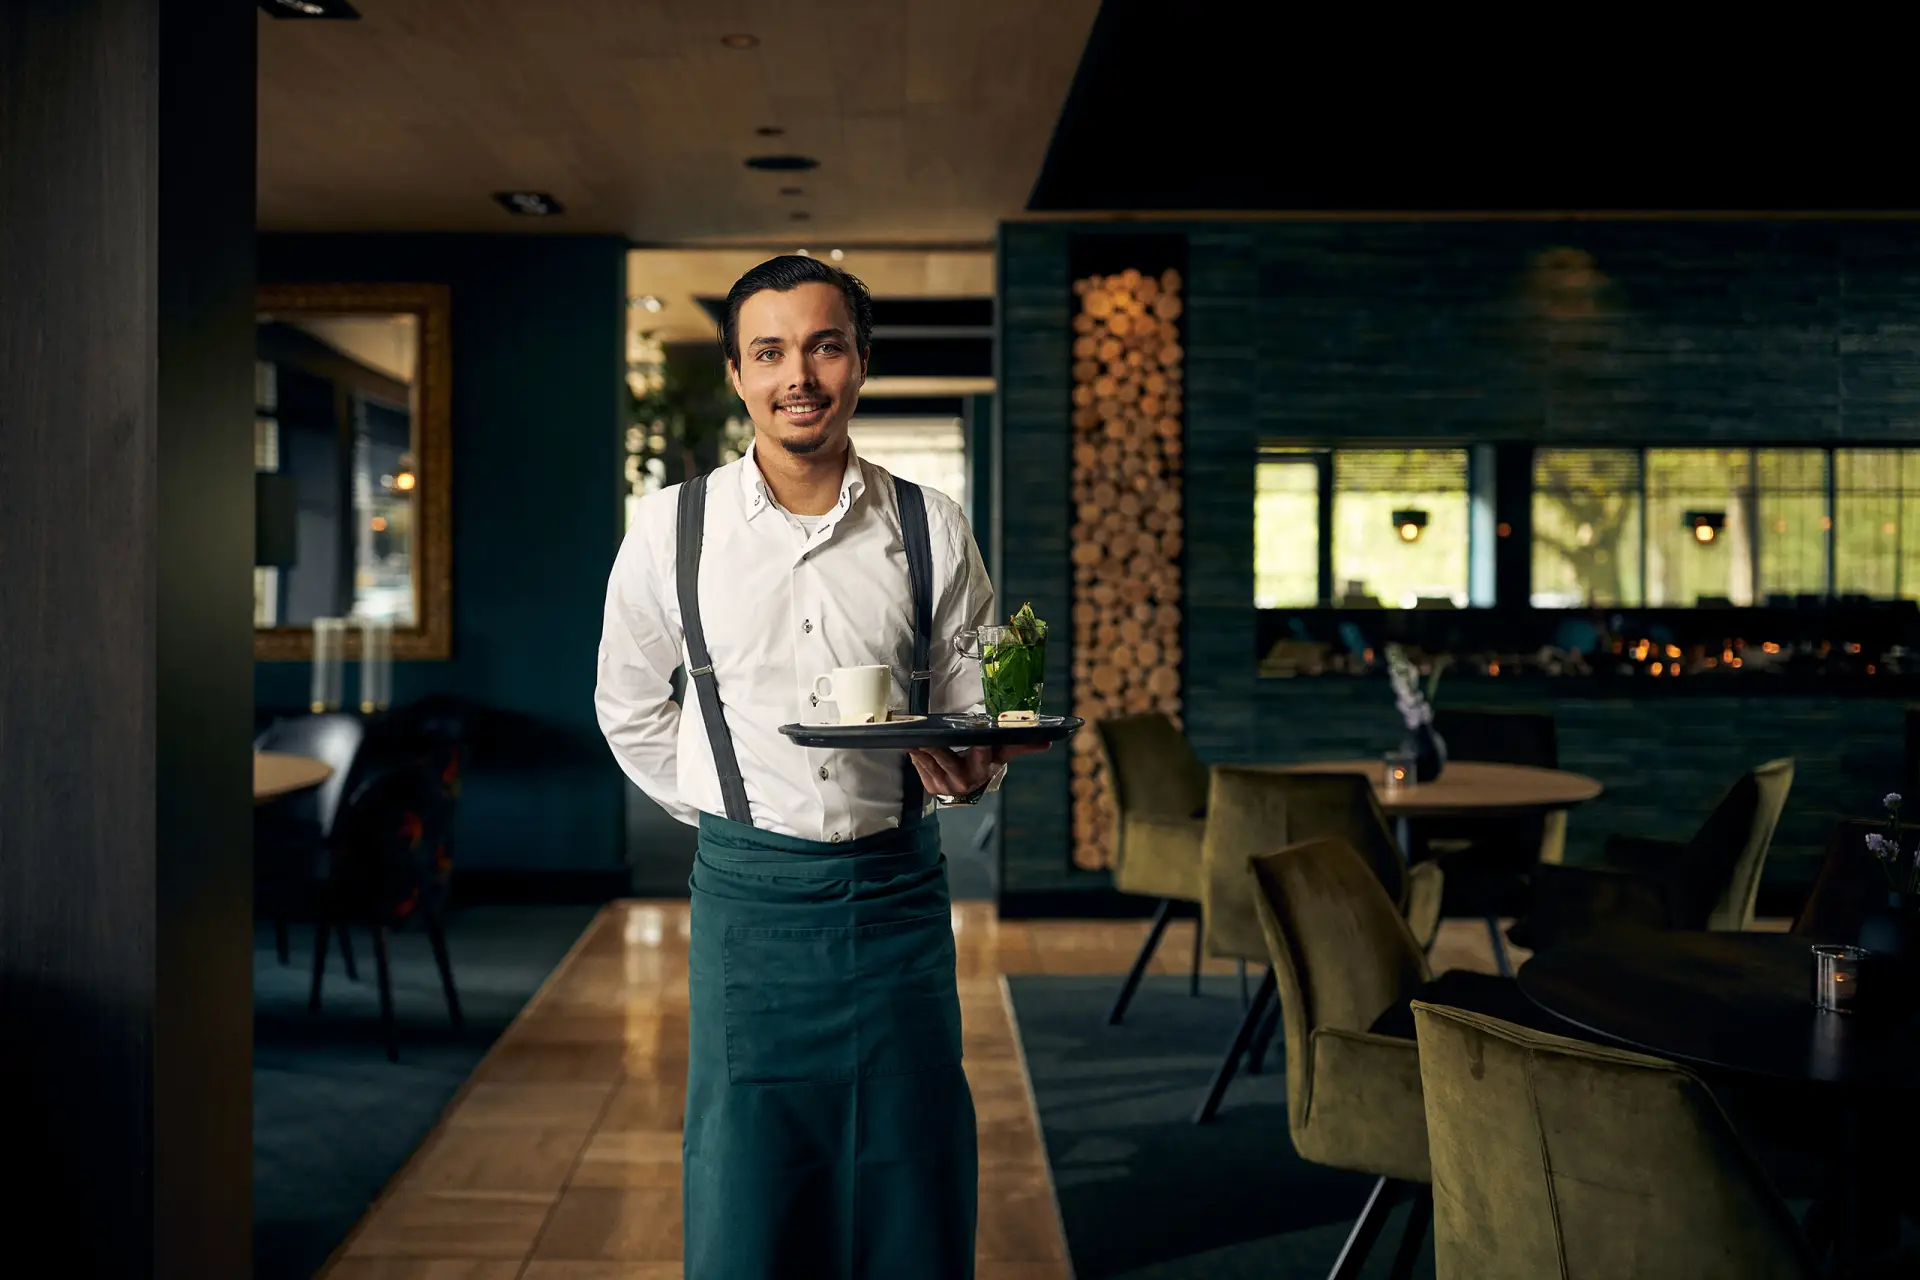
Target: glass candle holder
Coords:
[[1836, 978], [1396, 771], [329, 661], [376, 664]]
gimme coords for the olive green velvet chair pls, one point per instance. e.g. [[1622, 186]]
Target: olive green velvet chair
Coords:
[[1251, 811], [1343, 956], [1553, 1157], [1707, 882], [1159, 790]]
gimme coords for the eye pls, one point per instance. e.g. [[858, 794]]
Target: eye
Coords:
[[765, 352], [830, 348]]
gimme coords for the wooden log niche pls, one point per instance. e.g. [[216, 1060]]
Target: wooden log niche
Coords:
[[1127, 528]]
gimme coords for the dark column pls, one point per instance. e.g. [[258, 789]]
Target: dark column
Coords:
[[126, 517]]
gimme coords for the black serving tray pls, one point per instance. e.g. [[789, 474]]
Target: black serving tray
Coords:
[[937, 730]]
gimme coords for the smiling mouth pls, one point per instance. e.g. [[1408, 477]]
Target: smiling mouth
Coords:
[[803, 413]]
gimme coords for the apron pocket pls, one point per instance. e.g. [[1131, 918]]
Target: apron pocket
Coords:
[[811, 1005]]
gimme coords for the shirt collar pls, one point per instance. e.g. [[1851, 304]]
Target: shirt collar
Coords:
[[758, 498]]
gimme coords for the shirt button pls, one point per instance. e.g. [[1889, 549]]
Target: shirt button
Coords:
[[823, 773], [807, 625], [813, 699], [834, 838]]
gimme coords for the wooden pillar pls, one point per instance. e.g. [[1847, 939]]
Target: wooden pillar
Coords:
[[126, 532]]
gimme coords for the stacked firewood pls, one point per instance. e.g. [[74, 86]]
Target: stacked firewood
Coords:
[[1127, 527]]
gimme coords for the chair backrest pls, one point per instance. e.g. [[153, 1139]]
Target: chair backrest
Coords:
[[1251, 811], [384, 855], [1341, 953], [1498, 736], [333, 737], [1726, 856], [1553, 1157], [1151, 768]]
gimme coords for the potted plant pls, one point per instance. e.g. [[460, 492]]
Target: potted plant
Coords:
[[1428, 749]]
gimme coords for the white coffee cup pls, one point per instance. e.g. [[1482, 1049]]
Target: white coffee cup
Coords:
[[860, 693]]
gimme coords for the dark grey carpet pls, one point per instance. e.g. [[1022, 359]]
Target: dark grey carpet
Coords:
[[333, 1120], [1144, 1193]]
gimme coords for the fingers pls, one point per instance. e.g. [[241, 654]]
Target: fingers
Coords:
[[940, 771]]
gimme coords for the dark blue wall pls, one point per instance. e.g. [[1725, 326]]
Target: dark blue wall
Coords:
[[1754, 331], [538, 336]]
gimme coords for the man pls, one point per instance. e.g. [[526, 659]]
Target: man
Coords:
[[829, 1128]]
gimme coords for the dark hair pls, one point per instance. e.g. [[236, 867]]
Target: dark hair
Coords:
[[787, 273]]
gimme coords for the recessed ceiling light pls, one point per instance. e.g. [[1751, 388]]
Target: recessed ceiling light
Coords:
[[651, 303], [803, 253], [338, 9], [835, 254], [782, 163], [792, 191], [529, 204], [740, 40], [799, 215], [770, 131]]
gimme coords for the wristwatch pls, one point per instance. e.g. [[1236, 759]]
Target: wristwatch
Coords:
[[972, 797]]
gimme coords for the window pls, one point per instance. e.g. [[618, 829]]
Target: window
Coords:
[[1876, 523], [1394, 535], [1690, 560], [1400, 527], [1286, 530], [1586, 527], [931, 452]]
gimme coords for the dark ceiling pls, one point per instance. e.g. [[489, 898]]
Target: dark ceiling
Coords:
[[1210, 105]]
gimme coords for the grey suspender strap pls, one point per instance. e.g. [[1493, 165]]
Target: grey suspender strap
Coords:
[[913, 533], [693, 521]]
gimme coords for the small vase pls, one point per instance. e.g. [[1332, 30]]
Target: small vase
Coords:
[[1887, 928], [1429, 752]]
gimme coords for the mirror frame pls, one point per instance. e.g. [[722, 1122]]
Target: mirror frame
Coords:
[[431, 638]]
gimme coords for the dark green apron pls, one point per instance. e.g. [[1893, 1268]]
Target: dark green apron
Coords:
[[829, 1127]]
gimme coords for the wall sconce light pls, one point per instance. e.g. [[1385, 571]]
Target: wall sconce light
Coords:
[[1706, 525], [1409, 523]]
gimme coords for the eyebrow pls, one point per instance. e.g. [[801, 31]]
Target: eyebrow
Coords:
[[815, 336]]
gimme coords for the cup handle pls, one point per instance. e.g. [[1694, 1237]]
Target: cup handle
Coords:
[[963, 644], [823, 688]]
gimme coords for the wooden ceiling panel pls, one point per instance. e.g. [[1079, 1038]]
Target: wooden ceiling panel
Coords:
[[930, 117]]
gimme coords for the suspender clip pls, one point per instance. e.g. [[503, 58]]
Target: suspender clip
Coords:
[[921, 675], [697, 672]]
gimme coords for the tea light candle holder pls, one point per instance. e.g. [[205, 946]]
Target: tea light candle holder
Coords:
[[1396, 772], [1836, 978]]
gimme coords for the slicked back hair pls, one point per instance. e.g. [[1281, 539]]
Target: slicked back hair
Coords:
[[784, 274]]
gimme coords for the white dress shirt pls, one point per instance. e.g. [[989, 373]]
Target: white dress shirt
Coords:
[[780, 607]]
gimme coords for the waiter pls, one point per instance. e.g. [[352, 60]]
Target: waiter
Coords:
[[829, 1129]]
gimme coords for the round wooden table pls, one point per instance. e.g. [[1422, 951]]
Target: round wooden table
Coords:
[[277, 774], [1466, 788], [1741, 1004]]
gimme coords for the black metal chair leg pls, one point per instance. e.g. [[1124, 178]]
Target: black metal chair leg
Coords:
[[1419, 1218], [320, 933], [1199, 935], [1499, 947], [386, 991], [1242, 1037], [1120, 1003], [1257, 1054], [346, 953], [438, 936], [281, 943], [1366, 1230]]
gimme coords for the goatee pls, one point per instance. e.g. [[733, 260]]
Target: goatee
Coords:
[[804, 447]]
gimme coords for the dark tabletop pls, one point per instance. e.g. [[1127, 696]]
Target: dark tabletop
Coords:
[[1739, 1002]]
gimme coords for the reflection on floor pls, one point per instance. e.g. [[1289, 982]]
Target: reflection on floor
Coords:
[[561, 1160], [332, 1118]]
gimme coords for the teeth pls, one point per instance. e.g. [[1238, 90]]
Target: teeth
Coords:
[[801, 408]]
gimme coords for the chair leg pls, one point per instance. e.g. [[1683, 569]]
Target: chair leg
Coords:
[[1246, 997], [346, 953], [1199, 936], [1257, 1055], [1500, 957], [1120, 1003], [1419, 1218], [438, 936], [1366, 1230], [386, 991], [321, 932], [1242, 1037], [281, 943]]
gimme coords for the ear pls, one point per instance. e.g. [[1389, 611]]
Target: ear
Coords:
[[733, 380], [865, 356]]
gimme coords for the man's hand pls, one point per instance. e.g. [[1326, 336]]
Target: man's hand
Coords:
[[958, 773]]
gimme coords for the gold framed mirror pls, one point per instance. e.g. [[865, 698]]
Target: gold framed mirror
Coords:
[[352, 466]]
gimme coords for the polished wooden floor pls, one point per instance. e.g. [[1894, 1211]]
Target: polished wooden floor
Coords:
[[560, 1160]]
